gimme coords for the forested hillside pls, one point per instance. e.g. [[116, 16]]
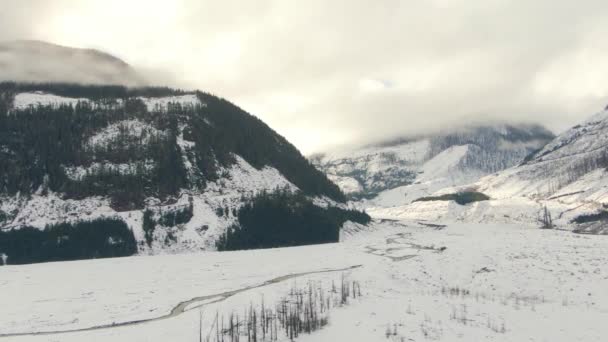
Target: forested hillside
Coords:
[[42, 145], [72, 153]]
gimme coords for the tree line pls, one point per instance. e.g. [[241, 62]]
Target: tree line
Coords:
[[101, 238], [37, 143], [283, 219]]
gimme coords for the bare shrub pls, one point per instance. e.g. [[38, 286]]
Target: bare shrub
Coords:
[[301, 311]]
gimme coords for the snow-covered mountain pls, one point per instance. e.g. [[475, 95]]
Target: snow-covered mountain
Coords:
[[398, 172], [569, 176], [175, 166], [37, 61]]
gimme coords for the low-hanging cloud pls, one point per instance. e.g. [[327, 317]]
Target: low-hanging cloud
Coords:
[[35, 61], [350, 72]]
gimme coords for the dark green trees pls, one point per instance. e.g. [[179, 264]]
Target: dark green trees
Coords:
[[102, 238], [37, 144], [283, 219]]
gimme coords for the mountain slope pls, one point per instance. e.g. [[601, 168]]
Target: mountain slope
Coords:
[[399, 172], [175, 166], [559, 168], [568, 176], [37, 61]]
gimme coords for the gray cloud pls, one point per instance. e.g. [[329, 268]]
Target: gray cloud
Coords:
[[36, 61], [350, 72]]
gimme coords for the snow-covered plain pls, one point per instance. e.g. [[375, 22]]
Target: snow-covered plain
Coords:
[[460, 282]]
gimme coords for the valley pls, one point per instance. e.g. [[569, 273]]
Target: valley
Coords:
[[493, 282], [319, 171]]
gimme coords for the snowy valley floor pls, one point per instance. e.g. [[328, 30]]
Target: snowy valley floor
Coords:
[[461, 282]]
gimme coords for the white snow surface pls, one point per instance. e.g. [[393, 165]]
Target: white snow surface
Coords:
[[558, 177], [461, 282], [413, 151], [590, 136], [550, 174], [40, 210], [25, 100], [403, 171], [131, 128], [443, 164], [78, 172], [439, 172], [161, 103], [380, 164], [200, 233], [348, 185]]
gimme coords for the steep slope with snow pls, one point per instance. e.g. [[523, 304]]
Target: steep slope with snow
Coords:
[[569, 176], [396, 173], [37, 61], [174, 166], [563, 167]]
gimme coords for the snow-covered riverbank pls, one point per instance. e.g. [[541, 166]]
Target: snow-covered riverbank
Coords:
[[462, 282]]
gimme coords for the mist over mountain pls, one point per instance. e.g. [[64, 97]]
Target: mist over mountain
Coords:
[[561, 185], [303, 171], [38, 61], [400, 170]]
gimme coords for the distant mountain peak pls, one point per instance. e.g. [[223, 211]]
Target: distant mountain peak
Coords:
[[445, 158]]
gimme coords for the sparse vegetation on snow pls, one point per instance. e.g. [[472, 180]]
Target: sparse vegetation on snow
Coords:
[[492, 283], [462, 198], [304, 310]]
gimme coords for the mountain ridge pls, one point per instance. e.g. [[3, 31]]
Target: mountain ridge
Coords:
[[567, 178], [369, 171], [176, 166]]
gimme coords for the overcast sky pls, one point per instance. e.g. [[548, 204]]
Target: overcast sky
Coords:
[[326, 73]]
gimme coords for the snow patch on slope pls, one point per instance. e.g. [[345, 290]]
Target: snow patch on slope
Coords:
[[39, 211], [201, 232], [348, 185], [188, 156], [238, 181], [443, 170], [374, 168], [413, 151], [398, 172], [79, 172], [38, 98], [568, 177], [588, 137], [443, 164], [161, 103], [567, 165], [134, 129], [26, 100]]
